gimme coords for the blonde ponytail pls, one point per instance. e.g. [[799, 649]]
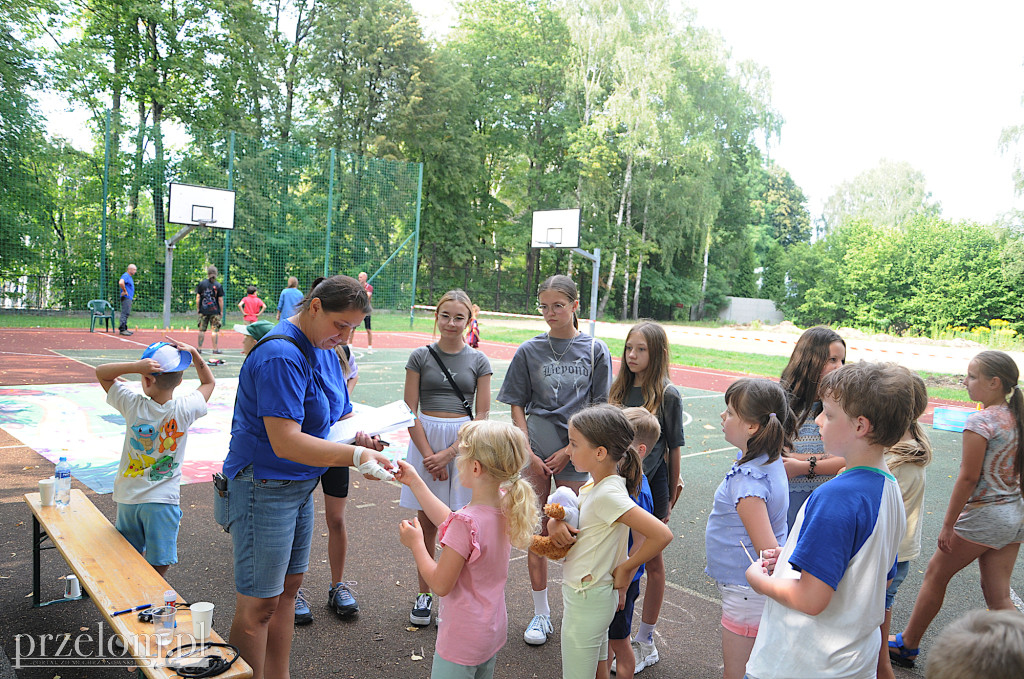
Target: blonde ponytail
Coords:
[[503, 451]]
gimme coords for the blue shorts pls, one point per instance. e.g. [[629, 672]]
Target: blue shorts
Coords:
[[902, 568], [271, 528], [622, 623], [152, 529]]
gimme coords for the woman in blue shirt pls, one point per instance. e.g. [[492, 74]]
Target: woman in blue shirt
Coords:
[[290, 391]]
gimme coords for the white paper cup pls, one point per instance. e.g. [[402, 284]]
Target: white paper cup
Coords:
[[72, 588], [47, 490], [202, 619]]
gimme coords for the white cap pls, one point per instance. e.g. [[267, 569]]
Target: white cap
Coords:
[[171, 360]]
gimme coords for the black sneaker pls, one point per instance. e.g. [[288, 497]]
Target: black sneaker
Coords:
[[341, 600], [126, 333], [421, 610], [303, 616]]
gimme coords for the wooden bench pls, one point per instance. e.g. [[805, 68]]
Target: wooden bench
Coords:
[[114, 575]]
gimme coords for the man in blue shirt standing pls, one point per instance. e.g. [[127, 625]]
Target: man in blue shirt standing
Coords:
[[127, 285]]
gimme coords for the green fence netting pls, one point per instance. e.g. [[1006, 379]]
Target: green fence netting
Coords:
[[299, 211]]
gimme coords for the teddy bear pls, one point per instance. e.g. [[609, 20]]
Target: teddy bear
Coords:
[[564, 506]]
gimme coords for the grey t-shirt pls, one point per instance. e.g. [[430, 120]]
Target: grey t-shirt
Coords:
[[555, 389], [466, 368], [670, 417]]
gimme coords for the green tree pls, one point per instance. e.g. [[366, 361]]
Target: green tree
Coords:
[[887, 195]]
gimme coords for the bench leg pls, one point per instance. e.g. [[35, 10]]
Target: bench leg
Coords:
[[38, 538]]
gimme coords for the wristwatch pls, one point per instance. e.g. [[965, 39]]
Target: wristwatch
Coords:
[[810, 472]]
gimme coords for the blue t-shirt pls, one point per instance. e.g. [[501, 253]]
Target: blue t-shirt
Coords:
[[276, 381], [838, 521], [725, 533], [288, 301], [129, 285], [646, 502]]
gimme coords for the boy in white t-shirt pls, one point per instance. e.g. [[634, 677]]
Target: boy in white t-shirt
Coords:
[[826, 597], [146, 488]]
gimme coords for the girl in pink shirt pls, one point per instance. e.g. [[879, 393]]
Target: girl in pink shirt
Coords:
[[476, 543]]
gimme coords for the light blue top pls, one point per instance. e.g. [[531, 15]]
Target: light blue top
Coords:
[[288, 302], [727, 562]]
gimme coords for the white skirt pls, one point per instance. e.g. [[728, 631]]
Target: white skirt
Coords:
[[441, 433]]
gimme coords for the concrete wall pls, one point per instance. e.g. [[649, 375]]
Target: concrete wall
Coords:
[[747, 309]]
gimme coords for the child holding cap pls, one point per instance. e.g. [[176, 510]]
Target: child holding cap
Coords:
[[146, 488]]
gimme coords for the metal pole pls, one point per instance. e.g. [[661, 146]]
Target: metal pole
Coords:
[[416, 249], [168, 263], [330, 212], [594, 282], [103, 218], [168, 266], [231, 186]]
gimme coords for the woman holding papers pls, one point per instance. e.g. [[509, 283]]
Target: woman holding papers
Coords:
[[290, 392], [442, 380]]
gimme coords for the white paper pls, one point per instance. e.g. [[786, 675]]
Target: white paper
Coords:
[[372, 421]]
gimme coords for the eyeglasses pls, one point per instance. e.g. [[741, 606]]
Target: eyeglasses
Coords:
[[448, 318], [557, 308]]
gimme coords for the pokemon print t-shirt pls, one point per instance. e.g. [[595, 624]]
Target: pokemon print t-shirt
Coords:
[[154, 444]]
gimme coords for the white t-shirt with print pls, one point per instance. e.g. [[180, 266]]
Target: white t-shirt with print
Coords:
[[154, 444]]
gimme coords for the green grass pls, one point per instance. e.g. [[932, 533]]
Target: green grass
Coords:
[[393, 321]]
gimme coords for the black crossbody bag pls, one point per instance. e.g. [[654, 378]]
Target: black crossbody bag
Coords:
[[458, 392]]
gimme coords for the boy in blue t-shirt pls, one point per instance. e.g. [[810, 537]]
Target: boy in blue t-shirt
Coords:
[[826, 596]]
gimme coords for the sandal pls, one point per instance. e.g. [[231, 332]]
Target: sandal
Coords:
[[900, 654]]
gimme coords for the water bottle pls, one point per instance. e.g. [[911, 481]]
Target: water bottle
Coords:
[[170, 598], [63, 476]]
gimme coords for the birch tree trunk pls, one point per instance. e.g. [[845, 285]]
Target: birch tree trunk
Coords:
[[640, 259], [618, 231], [625, 259]]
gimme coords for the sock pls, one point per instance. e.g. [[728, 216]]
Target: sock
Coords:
[[645, 633], [540, 602]]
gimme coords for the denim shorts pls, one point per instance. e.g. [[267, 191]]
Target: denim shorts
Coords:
[[271, 529], [152, 529], [902, 568]]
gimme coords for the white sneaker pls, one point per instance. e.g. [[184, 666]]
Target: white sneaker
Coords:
[[538, 630], [369, 350], [645, 654]]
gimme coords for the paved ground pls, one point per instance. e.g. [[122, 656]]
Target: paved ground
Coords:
[[375, 644]]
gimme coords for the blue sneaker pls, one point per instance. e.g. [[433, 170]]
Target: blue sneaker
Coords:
[[341, 599], [303, 616]]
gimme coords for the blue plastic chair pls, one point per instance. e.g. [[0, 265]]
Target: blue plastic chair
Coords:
[[101, 308]]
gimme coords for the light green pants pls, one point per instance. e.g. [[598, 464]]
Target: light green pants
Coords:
[[586, 616]]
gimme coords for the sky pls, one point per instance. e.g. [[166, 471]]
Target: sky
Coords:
[[929, 83]]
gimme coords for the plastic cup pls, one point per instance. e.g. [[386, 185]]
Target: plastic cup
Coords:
[[47, 492], [163, 625], [202, 620], [72, 588]]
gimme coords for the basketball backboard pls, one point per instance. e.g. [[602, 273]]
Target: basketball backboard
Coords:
[[556, 229], [193, 205]]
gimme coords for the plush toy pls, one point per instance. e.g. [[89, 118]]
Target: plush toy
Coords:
[[564, 507]]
